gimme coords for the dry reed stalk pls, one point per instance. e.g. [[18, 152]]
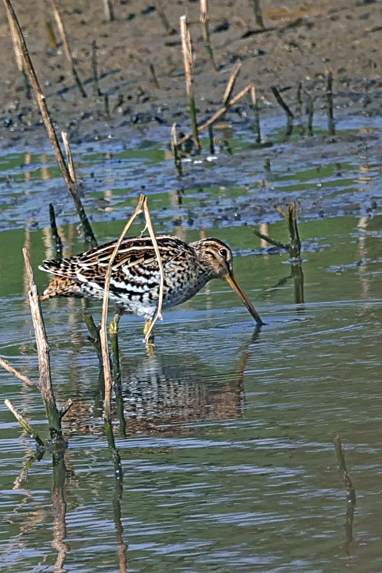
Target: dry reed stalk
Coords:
[[45, 382], [217, 115], [188, 60], [16, 373], [109, 10], [41, 101], [19, 57], [329, 101], [232, 81], [68, 50], [205, 21], [255, 105], [16, 45], [142, 206]]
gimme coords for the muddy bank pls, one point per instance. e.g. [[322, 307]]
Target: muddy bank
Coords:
[[141, 80]]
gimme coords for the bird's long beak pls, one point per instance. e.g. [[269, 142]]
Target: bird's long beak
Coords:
[[231, 280]]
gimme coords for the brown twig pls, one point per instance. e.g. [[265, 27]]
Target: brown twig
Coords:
[[41, 101], [16, 373], [231, 82], [24, 423]]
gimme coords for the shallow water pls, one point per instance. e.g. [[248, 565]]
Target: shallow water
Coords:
[[228, 461]]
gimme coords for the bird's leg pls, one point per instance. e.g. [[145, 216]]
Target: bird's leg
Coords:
[[146, 330], [149, 340], [114, 325]]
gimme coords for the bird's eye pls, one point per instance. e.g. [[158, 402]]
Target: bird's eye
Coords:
[[224, 253]]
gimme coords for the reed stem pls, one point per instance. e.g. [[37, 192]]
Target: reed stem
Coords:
[[41, 101], [205, 21], [188, 61]]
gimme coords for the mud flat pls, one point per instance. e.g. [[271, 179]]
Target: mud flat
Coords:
[[140, 70]]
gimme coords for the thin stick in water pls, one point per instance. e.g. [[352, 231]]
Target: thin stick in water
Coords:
[[286, 108], [41, 101], [351, 496], [329, 101], [256, 110], [158, 314], [211, 139], [309, 112], [103, 328], [142, 206], [175, 150], [55, 233], [45, 381], [24, 423]]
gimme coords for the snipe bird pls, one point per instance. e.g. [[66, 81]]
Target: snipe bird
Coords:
[[135, 277]]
